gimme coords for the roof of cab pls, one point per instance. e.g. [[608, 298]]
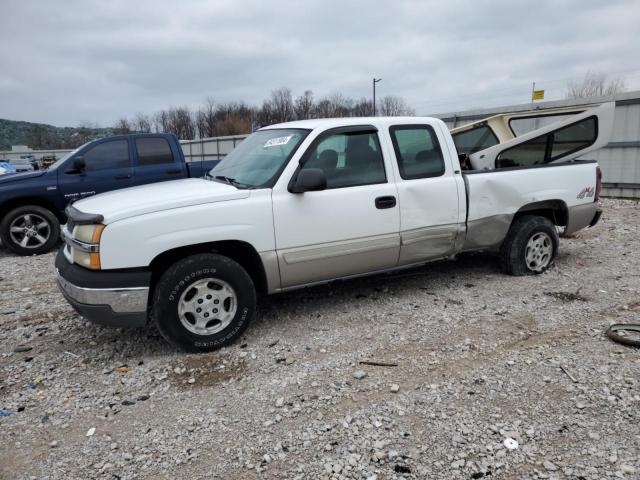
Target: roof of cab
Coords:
[[325, 123]]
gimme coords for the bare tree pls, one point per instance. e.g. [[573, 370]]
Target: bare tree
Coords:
[[391, 106], [594, 85], [161, 122], [206, 119], [233, 119], [362, 108], [340, 105], [179, 121], [122, 126], [278, 108], [335, 105], [304, 105], [323, 109], [282, 104], [141, 123]]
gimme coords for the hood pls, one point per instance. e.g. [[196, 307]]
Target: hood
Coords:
[[16, 177], [131, 202]]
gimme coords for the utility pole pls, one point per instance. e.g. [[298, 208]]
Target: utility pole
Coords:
[[533, 89], [375, 80]]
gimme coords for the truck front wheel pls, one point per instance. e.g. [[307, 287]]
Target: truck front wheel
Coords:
[[530, 246], [203, 302], [29, 230]]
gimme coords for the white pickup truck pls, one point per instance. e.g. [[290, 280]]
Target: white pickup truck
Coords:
[[307, 202]]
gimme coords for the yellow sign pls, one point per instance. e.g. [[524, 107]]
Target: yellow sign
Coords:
[[537, 95]]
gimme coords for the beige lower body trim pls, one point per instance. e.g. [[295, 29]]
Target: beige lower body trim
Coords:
[[361, 275], [423, 244], [317, 263], [271, 270], [487, 232]]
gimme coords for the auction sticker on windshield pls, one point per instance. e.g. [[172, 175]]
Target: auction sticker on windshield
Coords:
[[278, 141]]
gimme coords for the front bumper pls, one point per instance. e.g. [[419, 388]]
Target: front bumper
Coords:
[[113, 298]]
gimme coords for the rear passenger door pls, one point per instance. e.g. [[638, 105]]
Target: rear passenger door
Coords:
[[156, 160], [428, 191]]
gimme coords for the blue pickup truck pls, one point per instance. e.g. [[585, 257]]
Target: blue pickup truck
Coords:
[[32, 204]]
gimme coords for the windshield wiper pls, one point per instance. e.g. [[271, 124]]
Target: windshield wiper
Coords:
[[232, 181]]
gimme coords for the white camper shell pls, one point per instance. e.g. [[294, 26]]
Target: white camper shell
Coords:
[[536, 137]]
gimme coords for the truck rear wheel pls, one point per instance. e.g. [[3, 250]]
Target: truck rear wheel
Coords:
[[530, 246], [203, 302], [30, 230]]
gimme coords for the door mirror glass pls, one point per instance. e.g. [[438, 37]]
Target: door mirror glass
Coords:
[[310, 180]]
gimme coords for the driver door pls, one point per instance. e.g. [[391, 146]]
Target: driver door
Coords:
[[349, 228], [107, 167]]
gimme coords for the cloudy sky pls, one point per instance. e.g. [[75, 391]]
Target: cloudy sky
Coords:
[[67, 62]]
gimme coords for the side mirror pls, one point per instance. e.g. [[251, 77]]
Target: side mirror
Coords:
[[78, 165], [309, 180]]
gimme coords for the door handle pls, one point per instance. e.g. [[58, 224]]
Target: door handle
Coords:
[[386, 202], [173, 171], [124, 176]]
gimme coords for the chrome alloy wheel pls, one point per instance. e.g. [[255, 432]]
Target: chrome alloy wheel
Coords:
[[539, 252], [207, 306], [30, 230]]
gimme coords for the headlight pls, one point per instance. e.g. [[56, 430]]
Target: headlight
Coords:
[[87, 260], [88, 233], [84, 245]]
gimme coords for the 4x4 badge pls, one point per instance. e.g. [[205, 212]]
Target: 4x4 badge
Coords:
[[587, 192]]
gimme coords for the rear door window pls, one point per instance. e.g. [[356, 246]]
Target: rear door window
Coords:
[[153, 151], [417, 151]]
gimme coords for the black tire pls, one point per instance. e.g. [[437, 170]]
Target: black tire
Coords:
[[49, 229], [179, 279], [513, 253]]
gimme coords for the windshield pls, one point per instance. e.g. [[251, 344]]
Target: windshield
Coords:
[[60, 161], [259, 159]]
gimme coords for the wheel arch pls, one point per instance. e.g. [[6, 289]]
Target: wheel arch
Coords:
[[556, 211], [242, 252], [17, 202]]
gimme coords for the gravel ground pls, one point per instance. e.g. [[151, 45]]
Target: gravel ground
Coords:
[[481, 359]]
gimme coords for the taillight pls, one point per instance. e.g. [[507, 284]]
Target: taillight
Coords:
[[598, 183]]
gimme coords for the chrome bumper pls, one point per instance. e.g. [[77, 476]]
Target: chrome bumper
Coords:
[[120, 300]]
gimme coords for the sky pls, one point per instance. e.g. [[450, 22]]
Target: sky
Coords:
[[77, 61]]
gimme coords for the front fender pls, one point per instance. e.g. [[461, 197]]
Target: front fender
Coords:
[[136, 241]]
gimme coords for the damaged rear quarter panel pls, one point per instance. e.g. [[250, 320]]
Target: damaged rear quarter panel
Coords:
[[496, 196]]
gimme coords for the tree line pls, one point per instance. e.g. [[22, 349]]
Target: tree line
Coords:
[[595, 84], [214, 119]]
